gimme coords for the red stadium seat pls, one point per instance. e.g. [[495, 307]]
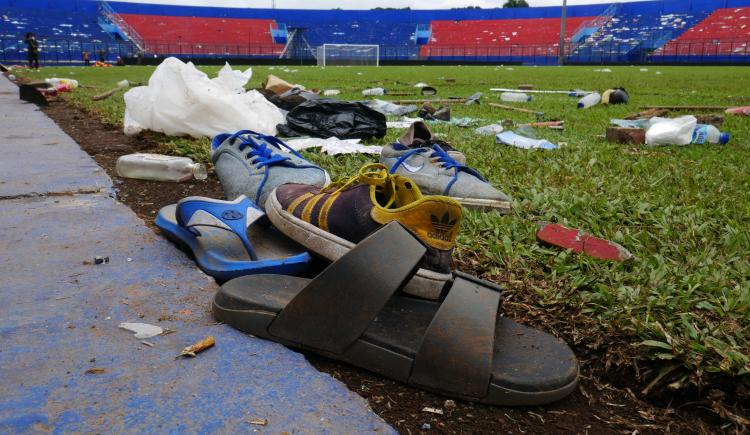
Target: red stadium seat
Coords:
[[724, 32], [168, 34]]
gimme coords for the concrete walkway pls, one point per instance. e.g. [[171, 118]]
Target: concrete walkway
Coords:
[[59, 316]]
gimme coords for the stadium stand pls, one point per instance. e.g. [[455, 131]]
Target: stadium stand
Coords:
[[64, 30], [200, 35], [496, 38], [724, 33], [632, 34], [602, 33]]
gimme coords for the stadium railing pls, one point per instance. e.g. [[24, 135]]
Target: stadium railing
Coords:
[[64, 51]]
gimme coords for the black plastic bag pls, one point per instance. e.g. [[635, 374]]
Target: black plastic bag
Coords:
[[328, 118]]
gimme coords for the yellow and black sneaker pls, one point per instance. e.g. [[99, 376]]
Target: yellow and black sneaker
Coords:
[[330, 221]]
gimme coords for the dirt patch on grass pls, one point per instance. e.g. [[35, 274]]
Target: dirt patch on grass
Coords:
[[597, 407]]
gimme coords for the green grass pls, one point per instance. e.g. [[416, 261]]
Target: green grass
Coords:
[[684, 212]]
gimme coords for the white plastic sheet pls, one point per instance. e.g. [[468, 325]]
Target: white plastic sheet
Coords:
[[181, 100], [334, 146]]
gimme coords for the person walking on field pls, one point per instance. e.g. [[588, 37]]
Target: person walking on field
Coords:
[[33, 50], [86, 58]]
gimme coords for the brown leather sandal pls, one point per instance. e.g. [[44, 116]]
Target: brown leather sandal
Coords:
[[353, 312]]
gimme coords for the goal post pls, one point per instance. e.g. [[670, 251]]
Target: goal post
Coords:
[[348, 54]]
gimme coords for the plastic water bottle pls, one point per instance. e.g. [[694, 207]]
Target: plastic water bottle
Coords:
[[159, 168], [515, 97], [665, 131], [374, 91], [709, 134], [512, 139], [589, 100]]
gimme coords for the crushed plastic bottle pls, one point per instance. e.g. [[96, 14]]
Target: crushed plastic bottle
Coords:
[[512, 139], [516, 97], [374, 91], [705, 133], [665, 131], [158, 167], [589, 100]]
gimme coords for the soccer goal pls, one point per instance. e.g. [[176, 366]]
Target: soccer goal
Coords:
[[348, 54]]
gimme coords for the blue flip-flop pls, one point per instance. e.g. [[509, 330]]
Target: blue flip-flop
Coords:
[[230, 239]]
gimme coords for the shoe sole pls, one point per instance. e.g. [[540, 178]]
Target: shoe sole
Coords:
[[426, 284], [502, 207]]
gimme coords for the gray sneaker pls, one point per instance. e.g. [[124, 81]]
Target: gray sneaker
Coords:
[[254, 164], [437, 173]]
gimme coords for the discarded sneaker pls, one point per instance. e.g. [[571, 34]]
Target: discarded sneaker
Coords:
[[418, 135], [429, 113], [253, 164], [438, 172], [331, 221]]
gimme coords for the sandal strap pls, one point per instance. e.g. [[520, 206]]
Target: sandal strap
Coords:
[[456, 353], [236, 216], [336, 308]]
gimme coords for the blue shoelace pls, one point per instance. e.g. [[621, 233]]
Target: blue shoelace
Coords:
[[441, 157], [261, 155]]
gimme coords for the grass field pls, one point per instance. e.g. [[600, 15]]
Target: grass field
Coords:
[[684, 212]]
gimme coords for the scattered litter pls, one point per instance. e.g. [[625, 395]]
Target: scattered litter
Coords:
[[515, 140], [334, 146], [665, 131], [581, 242], [331, 92], [433, 410], [198, 347], [12, 77], [147, 343], [277, 85], [97, 260], [644, 69], [589, 100], [96, 371], [615, 96], [420, 85], [516, 109], [374, 91], [555, 125], [739, 111], [334, 118], [473, 99], [630, 123], [576, 93], [142, 330], [429, 113], [388, 108], [185, 312], [515, 97], [259, 421], [426, 426], [658, 73], [605, 70], [489, 130], [122, 84], [157, 167], [466, 121], [449, 404], [181, 100], [402, 123], [428, 91], [626, 135]]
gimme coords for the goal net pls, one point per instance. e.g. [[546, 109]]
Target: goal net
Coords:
[[348, 54]]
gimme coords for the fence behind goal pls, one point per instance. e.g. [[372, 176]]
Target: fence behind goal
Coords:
[[348, 54]]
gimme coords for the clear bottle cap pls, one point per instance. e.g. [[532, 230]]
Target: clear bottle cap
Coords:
[[199, 171]]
